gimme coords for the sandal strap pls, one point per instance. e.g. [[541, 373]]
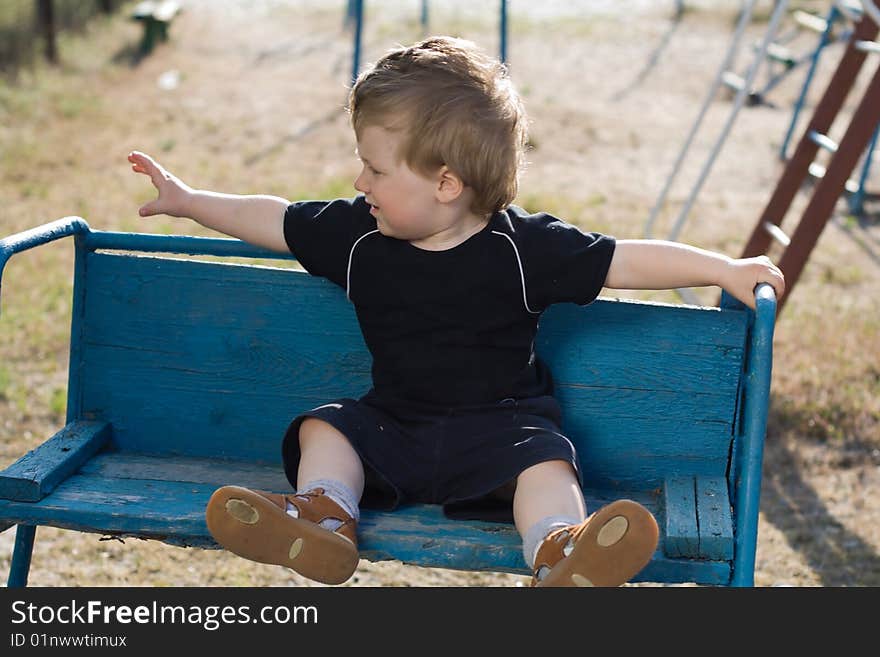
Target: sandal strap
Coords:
[[316, 506], [552, 548]]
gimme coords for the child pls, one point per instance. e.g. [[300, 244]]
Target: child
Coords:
[[448, 280]]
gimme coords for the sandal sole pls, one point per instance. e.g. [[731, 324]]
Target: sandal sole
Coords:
[[251, 526], [619, 541]]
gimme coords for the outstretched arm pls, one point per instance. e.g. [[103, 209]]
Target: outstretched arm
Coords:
[[662, 265], [258, 220]]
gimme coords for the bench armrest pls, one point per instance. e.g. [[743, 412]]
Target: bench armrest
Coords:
[[37, 473], [44, 234], [755, 409], [765, 301]]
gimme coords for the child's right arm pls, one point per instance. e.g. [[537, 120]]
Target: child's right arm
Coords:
[[258, 220]]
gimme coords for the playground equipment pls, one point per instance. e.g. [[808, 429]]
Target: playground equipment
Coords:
[[744, 19], [839, 11], [831, 180], [859, 43], [355, 15], [782, 58]]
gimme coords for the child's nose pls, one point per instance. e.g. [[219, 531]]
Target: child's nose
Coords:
[[360, 183]]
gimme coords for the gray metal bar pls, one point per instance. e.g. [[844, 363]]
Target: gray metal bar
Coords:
[[769, 35], [745, 17]]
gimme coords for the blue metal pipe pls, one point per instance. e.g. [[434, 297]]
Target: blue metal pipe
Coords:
[[40, 235], [44, 234], [358, 7], [503, 30], [21, 556], [856, 200], [751, 456], [814, 61]]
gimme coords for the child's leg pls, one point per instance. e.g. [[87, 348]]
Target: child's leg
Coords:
[[311, 531], [563, 548], [547, 498], [327, 456], [545, 490]]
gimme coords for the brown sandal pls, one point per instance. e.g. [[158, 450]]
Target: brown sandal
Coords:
[[607, 549], [255, 525]]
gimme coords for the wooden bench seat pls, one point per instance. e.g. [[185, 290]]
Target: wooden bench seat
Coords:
[[158, 497]]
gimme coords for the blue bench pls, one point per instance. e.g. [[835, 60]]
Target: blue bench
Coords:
[[185, 372]]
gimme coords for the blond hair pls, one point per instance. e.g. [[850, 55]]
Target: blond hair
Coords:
[[456, 107]]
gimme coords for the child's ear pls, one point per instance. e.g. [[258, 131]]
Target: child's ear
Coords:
[[449, 185]]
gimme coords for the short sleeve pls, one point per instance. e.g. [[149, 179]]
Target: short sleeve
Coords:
[[561, 262], [321, 234]]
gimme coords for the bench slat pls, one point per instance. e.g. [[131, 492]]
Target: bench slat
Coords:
[[681, 535], [714, 514], [698, 518], [217, 472]]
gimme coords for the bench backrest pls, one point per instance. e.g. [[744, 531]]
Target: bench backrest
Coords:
[[215, 359]]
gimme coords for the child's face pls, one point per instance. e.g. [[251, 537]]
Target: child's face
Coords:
[[403, 202]]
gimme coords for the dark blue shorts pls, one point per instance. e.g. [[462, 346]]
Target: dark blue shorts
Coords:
[[465, 458]]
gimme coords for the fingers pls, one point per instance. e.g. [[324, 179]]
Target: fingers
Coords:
[[143, 163], [777, 281], [139, 160], [772, 275]]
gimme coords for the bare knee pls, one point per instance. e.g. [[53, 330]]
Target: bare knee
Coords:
[[313, 430], [325, 453], [556, 470]]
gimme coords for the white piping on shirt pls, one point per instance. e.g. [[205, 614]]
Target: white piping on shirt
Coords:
[[522, 275], [350, 256]]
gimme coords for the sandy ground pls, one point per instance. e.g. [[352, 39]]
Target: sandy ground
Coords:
[[246, 97]]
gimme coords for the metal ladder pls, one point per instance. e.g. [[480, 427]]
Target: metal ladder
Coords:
[[782, 57], [855, 188], [745, 17], [831, 180]]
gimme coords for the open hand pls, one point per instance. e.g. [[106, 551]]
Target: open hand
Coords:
[[744, 275], [173, 193]]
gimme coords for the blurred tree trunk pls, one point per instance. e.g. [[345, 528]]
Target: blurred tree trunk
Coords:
[[106, 6], [46, 22]]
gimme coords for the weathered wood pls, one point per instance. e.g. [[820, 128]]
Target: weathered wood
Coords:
[[698, 520], [187, 373], [163, 498], [640, 385], [714, 517], [38, 472], [682, 533]]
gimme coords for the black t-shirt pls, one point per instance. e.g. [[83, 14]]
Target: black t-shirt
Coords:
[[453, 327]]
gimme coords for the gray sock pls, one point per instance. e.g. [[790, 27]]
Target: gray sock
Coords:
[[536, 534], [336, 491]]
